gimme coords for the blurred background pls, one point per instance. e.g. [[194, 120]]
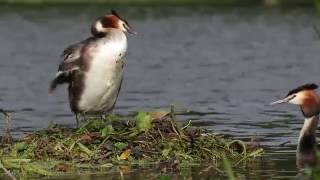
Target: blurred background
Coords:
[[221, 62], [166, 2]]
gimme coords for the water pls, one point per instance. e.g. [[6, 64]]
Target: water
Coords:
[[227, 63]]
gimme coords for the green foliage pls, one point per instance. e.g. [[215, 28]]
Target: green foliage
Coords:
[[20, 146], [93, 125], [121, 146], [143, 122], [144, 139], [113, 117], [228, 168], [164, 177], [108, 130], [84, 149]]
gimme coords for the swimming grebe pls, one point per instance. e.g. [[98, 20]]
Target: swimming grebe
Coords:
[[93, 68], [309, 102]]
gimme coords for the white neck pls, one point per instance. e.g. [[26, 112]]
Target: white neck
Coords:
[[307, 138], [306, 153]]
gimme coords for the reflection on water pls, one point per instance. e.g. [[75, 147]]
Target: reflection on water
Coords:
[[260, 169], [273, 165], [228, 62]]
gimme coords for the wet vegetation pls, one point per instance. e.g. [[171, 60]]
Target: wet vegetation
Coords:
[[148, 138]]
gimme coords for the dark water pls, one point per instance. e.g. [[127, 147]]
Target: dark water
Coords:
[[228, 63]]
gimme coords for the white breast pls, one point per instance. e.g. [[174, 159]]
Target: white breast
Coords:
[[103, 80]]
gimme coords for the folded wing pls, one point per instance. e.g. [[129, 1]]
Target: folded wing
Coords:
[[70, 62]]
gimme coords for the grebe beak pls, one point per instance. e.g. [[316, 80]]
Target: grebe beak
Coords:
[[130, 30], [279, 102], [285, 100]]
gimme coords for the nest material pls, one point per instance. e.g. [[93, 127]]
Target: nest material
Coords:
[[150, 138]]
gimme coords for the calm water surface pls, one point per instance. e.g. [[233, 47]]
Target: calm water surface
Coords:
[[227, 63]]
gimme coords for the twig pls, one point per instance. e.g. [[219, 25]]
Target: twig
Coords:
[[252, 154], [173, 122], [99, 146], [121, 174], [215, 168], [7, 171], [152, 152], [284, 143], [174, 129], [186, 125], [160, 135], [172, 112]]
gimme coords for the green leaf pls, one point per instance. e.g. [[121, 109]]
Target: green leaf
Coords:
[[164, 177], [92, 125], [113, 117], [37, 169], [107, 131], [83, 148], [107, 165], [143, 122], [228, 168], [165, 153], [21, 146], [120, 145]]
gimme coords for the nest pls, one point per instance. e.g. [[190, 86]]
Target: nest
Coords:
[[147, 138]]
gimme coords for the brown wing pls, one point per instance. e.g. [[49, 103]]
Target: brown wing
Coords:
[[70, 62]]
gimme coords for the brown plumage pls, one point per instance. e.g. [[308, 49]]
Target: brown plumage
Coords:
[[306, 97], [91, 67]]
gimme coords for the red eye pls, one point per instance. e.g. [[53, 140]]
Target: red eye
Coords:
[[292, 97]]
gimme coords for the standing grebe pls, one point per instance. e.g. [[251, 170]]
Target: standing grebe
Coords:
[[309, 102], [93, 68]]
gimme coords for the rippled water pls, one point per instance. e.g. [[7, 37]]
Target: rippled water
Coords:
[[227, 63]]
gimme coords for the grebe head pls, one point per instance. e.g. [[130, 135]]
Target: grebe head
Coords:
[[306, 97], [101, 25]]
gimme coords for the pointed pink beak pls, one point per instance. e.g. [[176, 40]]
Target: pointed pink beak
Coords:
[[279, 102]]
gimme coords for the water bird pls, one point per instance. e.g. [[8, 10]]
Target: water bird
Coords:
[[306, 97], [93, 68]]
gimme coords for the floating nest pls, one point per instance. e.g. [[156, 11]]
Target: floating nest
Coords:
[[148, 138]]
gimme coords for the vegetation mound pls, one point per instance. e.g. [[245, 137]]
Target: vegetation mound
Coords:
[[148, 138]]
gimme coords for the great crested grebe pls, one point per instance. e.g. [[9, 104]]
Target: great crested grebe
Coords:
[[93, 68], [309, 102]]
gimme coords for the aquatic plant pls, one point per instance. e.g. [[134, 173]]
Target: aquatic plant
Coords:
[[228, 168], [147, 138]]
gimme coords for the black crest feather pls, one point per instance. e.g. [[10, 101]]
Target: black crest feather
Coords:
[[113, 12], [310, 86]]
